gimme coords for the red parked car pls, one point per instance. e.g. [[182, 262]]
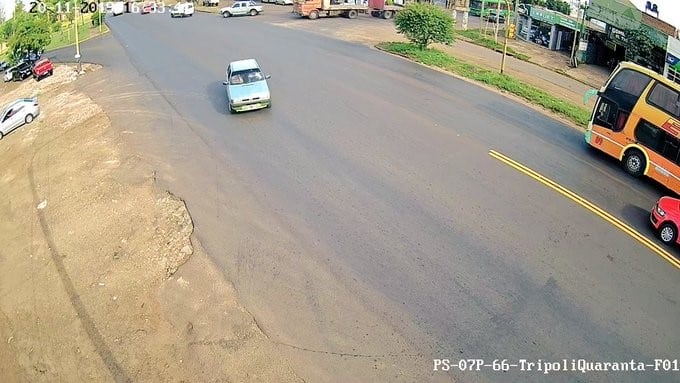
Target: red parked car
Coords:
[[148, 7], [665, 218], [42, 68]]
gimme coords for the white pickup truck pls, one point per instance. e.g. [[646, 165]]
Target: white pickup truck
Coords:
[[241, 8]]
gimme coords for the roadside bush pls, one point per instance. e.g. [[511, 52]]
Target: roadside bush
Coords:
[[95, 18], [424, 23]]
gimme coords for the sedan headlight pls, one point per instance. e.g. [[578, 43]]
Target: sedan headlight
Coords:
[[660, 211]]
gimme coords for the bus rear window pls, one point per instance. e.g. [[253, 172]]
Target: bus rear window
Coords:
[[626, 87], [630, 82]]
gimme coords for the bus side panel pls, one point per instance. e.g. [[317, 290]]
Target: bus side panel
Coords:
[[607, 141], [661, 171]]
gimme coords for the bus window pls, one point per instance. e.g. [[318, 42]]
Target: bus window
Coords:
[[626, 87], [666, 99], [606, 113], [649, 135], [658, 140]]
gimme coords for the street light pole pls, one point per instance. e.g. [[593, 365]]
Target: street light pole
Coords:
[[75, 23], [576, 37]]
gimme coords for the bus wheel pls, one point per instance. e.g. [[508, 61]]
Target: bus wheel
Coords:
[[668, 233], [387, 15], [313, 15], [352, 14], [634, 163]]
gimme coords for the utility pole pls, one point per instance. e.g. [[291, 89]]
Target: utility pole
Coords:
[[498, 14], [505, 42], [576, 37], [481, 17], [578, 34], [516, 16]]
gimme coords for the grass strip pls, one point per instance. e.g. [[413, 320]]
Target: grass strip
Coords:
[[476, 37], [67, 36], [536, 96]]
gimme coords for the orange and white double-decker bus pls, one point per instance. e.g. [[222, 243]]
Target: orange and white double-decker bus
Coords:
[[636, 119]]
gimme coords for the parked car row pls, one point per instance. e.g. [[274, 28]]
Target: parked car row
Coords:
[[279, 2], [39, 69], [495, 17]]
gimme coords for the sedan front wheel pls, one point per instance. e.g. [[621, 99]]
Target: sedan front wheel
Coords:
[[668, 233]]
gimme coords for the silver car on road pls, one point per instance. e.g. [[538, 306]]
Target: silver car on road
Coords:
[[20, 112], [247, 87]]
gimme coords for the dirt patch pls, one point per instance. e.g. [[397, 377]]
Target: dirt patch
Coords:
[[366, 30], [100, 278]]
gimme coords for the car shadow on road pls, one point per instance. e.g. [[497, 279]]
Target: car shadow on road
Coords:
[[217, 94], [639, 218]]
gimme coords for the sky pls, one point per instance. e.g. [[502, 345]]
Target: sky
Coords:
[[669, 10]]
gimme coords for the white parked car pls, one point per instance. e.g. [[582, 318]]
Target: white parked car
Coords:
[[182, 10], [247, 87], [241, 8], [284, 2], [20, 112]]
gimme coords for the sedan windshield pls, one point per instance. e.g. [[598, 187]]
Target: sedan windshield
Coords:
[[246, 76]]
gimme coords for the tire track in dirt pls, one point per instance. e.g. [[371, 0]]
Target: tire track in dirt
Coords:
[[102, 349]]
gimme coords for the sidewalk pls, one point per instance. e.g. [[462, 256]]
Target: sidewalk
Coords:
[[546, 69]]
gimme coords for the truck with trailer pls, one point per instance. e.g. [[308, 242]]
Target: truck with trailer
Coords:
[[313, 9], [385, 9]]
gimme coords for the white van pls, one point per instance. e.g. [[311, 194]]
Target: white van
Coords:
[[182, 10], [117, 8]]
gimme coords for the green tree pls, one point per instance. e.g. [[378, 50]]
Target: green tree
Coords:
[[559, 6], [28, 32], [639, 46], [424, 23]]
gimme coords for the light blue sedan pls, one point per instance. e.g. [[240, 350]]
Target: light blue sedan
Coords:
[[247, 87]]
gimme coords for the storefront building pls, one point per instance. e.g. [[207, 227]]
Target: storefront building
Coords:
[[672, 67], [608, 47], [551, 29]]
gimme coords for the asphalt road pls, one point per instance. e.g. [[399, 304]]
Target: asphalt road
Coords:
[[363, 221]]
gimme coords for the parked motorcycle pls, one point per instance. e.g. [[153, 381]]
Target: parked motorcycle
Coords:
[[542, 40]]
